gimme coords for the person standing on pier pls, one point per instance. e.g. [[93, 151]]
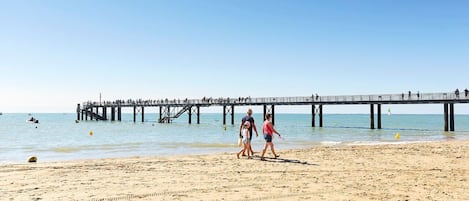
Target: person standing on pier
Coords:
[[466, 92], [252, 126], [456, 93]]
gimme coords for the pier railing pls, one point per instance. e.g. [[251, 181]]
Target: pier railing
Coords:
[[300, 100]]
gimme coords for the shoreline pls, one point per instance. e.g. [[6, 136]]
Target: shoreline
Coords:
[[259, 146], [417, 171]]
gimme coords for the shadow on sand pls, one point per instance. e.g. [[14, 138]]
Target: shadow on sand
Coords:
[[284, 160]]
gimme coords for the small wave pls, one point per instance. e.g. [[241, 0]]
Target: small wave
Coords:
[[197, 145], [211, 145], [358, 143], [330, 143], [66, 149]]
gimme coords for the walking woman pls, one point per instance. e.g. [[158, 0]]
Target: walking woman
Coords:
[[268, 130]]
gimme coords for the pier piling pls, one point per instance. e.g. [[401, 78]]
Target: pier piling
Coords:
[[78, 112], [320, 116], [160, 114], [379, 116], [372, 116], [451, 117], [270, 110], [119, 113], [198, 114], [190, 115], [445, 108], [313, 116], [232, 114], [224, 115], [105, 113], [113, 113], [143, 114]]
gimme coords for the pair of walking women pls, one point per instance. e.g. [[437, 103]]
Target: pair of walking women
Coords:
[[246, 128]]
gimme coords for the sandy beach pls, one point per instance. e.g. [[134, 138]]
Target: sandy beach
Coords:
[[423, 171]]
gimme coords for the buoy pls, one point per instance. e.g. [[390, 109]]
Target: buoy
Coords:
[[91, 133], [397, 136], [32, 159]]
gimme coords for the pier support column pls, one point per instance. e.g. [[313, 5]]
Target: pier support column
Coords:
[[113, 113], [198, 114], [91, 113], [160, 114], [105, 113], [451, 117], [228, 110], [168, 114], [445, 107], [190, 115], [273, 114], [320, 116], [82, 114], [78, 112], [86, 114], [270, 110], [97, 113], [143, 114], [224, 115], [119, 113], [379, 116], [232, 114], [313, 116], [135, 114], [372, 116]]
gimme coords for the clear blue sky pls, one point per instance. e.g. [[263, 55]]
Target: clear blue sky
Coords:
[[54, 54]]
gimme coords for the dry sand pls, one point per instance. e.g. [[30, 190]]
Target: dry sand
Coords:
[[425, 171]]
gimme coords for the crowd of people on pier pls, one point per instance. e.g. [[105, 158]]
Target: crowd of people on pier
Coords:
[[208, 100], [466, 93], [221, 100]]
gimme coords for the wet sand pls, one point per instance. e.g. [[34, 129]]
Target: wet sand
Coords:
[[423, 171]]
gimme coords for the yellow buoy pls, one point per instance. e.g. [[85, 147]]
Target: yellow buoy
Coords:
[[91, 133], [397, 136]]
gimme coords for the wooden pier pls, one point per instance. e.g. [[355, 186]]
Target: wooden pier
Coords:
[[171, 109]]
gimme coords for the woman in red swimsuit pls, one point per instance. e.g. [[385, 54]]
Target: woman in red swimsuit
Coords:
[[268, 130]]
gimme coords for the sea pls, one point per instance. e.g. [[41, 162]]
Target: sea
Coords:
[[58, 137]]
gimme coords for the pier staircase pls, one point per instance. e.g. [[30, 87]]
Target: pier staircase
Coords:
[[168, 117], [94, 115]]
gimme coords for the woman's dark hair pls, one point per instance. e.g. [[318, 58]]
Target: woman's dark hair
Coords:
[[267, 116]]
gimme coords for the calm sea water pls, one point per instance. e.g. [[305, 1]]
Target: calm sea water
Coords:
[[59, 138]]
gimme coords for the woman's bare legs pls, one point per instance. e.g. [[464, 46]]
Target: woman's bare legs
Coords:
[[263, 151], [242, 151], [248, 146], [272, 149]]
